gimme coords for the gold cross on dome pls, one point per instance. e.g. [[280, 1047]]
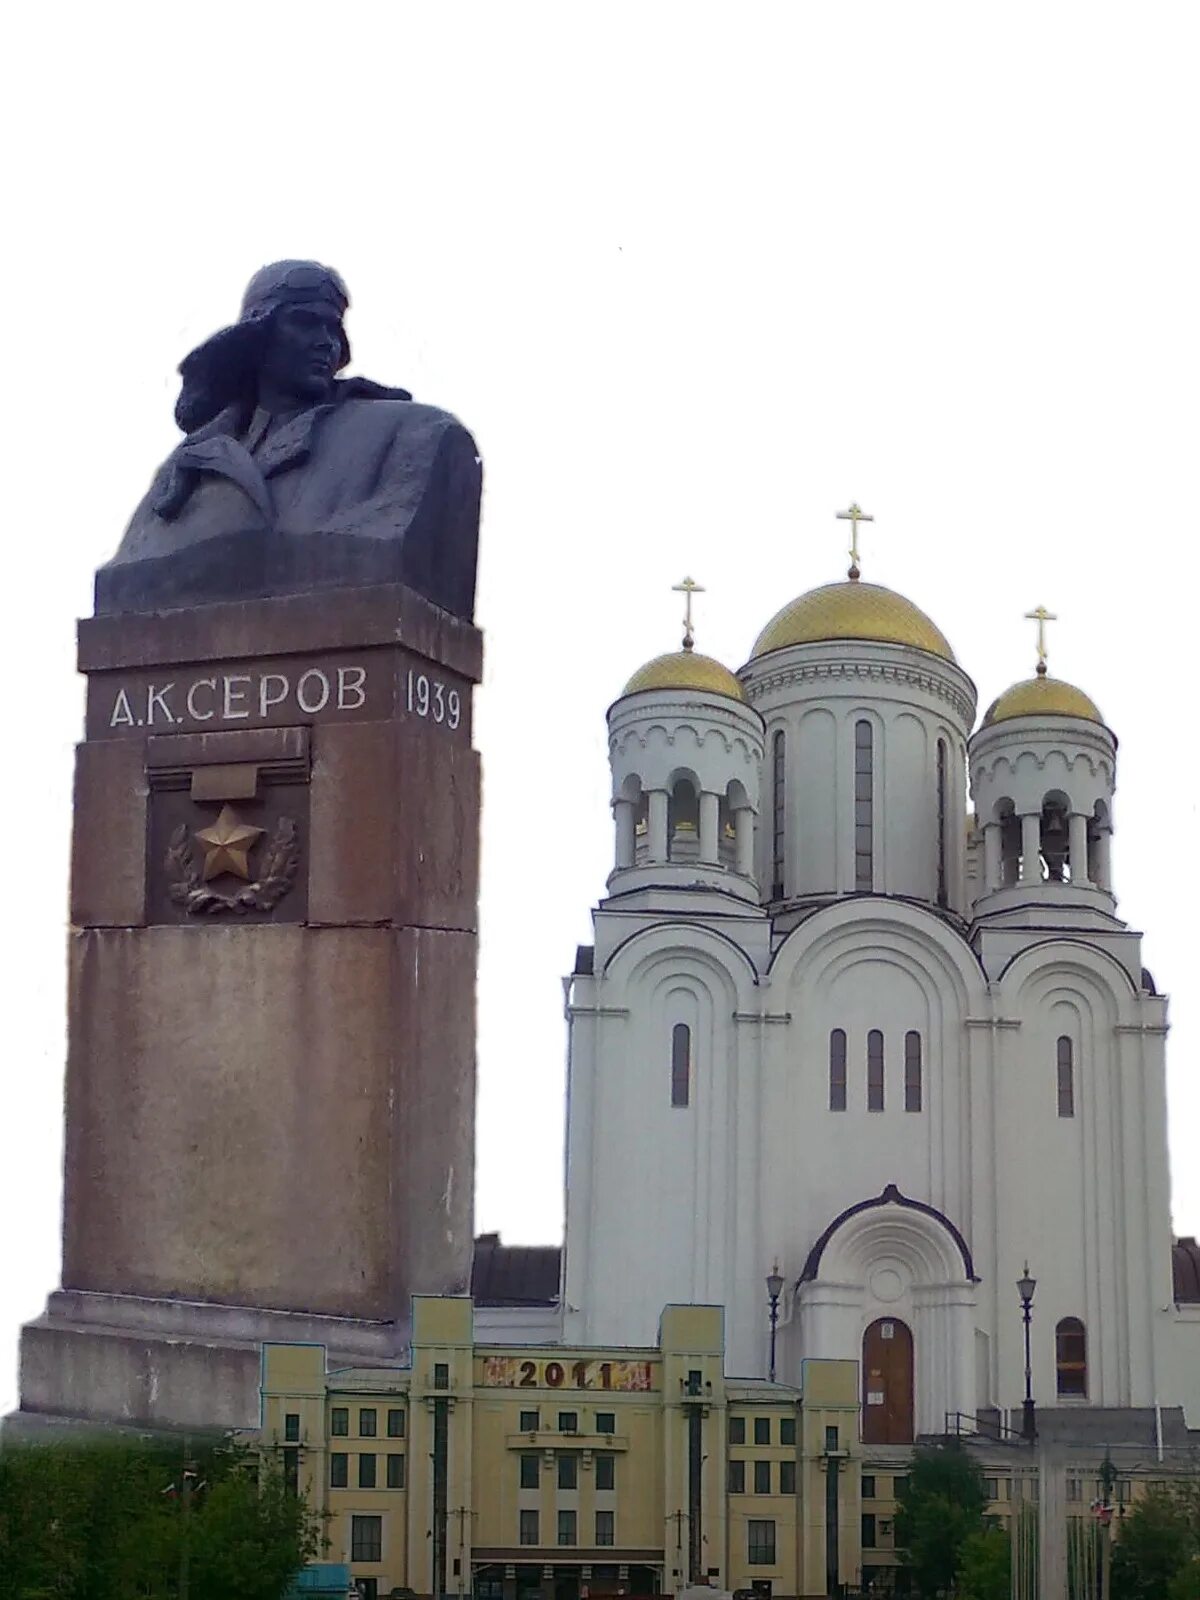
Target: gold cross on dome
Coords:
[[854, 516], [688, 587], [1041, 616]]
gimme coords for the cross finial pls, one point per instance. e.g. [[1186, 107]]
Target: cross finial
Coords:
[[1041, 616], [688, 587], [854, 516]]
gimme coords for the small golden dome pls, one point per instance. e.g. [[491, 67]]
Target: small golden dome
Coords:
[[852, 610], [1042, 696], [685, 669]]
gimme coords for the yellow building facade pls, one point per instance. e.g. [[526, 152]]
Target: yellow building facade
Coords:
[[514, 1472]]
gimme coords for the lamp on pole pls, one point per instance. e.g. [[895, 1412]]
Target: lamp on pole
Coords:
[[1025, 1287], [774, 1290]]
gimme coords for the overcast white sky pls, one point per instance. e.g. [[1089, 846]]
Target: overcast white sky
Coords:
[[696, 276]]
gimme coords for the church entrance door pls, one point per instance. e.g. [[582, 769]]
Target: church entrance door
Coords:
[[887, 1366]]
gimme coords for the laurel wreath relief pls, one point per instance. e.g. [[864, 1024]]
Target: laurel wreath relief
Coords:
[[188, 889]]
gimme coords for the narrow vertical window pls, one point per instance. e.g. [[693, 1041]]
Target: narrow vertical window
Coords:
[[837, 1070], [875, 1070], [943, 893], [912, 1071], [1066, 1077], [1070, 1357], [864, 822], [681, 1063], [779, 794]]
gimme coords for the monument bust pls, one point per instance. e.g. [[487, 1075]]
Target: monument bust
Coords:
[[291, 479]]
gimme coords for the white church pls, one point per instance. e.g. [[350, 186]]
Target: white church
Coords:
[[860, 1009]]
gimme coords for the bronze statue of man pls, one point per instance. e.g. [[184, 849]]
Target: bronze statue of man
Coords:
[[290, 478]]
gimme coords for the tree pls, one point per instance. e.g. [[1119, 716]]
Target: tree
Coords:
[[108, 1520], [1158, 1545], [941, 1507], [985, 1568]]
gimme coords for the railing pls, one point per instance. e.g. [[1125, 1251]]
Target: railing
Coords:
[[962, 1424]]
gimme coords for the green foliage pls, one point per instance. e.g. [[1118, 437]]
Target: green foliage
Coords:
[[1155, 1555], [985, 1569], [109, 1520], [941, 1508]]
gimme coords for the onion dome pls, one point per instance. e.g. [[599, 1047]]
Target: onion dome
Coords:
[[1042, 696], [686, 669], [852, 610]]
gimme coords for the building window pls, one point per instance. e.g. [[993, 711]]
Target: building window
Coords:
[[1070, 1353], [681, 1063], [605, 1530], [912, 1071], [760, 1544], [899, 1488], [762, 1477], [868, 1530], [1074, 1489], [530, 1477], [291, 1427], [1066, 1077], [868, 1486], [991, 1488], [737, 1477], [441, 1375], [875, 1070], [291, 1470], [606, 1422], [529, 1527], [943, 896], [778, 766], [366, 1538], [366, 1471], [529, 1422], [339, 1421], [737, 1430], [339, 1469], [568, 1470], [368, 1588], [566, 1528], [864, 825], [762, 1430], [395, 1471], [837, 1070], [831, 1439], [395, 1422], [787, 1430], [366, 1422], [568, 1422], [606, 1470], [787, 1477]]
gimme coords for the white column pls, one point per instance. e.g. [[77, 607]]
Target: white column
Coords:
[[626, 820], [656, 825], [710, 818], [743, 827], [991, 856], [1031, 840], [1077, 823], [1104, 859]]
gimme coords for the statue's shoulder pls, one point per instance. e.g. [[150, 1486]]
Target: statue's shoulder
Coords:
[[363, 404]]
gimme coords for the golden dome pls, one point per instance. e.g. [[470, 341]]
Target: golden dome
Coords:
[[852, 610], [685, 669], [1042, 696]]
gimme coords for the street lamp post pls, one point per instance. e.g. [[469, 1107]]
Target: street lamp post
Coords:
[[1025, 1287], [774, 1290]]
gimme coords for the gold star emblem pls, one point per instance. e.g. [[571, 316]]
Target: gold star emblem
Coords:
[[227, 845]]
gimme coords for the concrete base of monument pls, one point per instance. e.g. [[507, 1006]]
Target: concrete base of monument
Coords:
[[125, 1361]]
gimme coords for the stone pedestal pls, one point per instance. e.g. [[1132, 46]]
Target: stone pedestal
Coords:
[[270, 1084]]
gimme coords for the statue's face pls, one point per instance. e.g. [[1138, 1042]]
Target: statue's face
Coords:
[[302, 353]]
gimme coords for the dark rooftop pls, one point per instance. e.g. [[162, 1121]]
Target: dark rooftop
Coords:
[[1185, 1269], [514, 1274]]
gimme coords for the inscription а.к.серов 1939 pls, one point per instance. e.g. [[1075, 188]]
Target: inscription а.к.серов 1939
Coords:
[[358, 686]]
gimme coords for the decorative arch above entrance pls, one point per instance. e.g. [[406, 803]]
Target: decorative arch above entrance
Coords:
[[887, 1376]]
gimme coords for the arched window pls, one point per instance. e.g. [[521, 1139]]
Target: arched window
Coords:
[[1070, 1357], [837, 1070], [864, 808], [943, 893], [681, 1063], [779, 800], [683, 820], [875, 1070], [1066, 1077], [912, 1071]]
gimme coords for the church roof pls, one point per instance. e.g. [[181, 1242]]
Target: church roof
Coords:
[[852, 610], [1042, 696], [686, 669]]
